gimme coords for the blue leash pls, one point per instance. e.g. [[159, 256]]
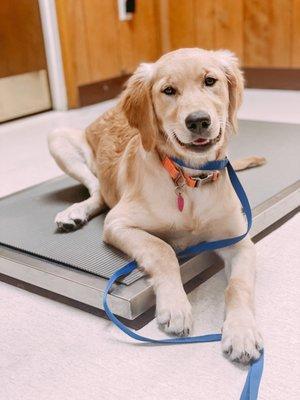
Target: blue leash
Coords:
[[251, 387]]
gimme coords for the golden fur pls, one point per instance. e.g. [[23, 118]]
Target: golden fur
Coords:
[[122, 151], [141, 112]]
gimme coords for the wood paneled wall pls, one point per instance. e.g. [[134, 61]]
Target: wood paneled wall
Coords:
[[295, 22], [205, 23], [21, 38], [97, 46], [263, 33]]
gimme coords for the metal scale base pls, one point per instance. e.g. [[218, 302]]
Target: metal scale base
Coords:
[[74, 267]]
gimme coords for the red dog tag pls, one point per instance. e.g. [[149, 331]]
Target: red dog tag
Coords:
[[180, 202]]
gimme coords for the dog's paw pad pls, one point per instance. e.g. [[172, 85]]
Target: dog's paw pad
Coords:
[[71, 219], [65, 226], [176, 318], [241, 341]]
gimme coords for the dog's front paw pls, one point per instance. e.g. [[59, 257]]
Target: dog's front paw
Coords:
[[241, 340], [174, 313], [72, 218]]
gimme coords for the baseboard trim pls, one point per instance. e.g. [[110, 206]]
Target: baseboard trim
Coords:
[[101, 91], [272, 78]]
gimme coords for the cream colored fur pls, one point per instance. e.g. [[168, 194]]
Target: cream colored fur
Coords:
[[122, 150]]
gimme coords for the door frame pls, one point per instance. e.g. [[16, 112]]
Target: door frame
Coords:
[[53, 55]]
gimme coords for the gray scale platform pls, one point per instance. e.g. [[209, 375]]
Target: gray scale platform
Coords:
[[82, 249], [77, 265]]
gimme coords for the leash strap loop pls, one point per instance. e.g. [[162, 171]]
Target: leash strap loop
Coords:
[[251, 387]]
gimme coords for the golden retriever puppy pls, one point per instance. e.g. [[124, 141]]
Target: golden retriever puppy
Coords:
[[185, 106]]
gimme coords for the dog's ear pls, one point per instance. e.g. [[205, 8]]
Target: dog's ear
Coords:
[[137, 105], [235, 79]]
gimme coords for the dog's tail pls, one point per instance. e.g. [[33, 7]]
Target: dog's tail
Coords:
[[249, 162]]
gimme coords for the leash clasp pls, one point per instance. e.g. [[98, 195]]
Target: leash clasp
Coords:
[[210, 177]]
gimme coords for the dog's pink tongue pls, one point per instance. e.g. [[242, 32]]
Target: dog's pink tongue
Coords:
[[200, 140]]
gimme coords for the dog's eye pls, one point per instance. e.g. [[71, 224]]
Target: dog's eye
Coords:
[[169, 91], [209, 81]]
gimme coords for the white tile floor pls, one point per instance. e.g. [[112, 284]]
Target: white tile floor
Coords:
[[271, 105], [51, 351], [24, 156]]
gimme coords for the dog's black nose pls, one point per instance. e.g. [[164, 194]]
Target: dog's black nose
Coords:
[[197, 122]]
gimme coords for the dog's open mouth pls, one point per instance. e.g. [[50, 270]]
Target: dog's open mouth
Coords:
[[200, 144]]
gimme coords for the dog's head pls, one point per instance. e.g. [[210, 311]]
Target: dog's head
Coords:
[[185, 103]]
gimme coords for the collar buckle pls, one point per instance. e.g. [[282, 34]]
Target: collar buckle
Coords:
[[180, 179], [211, 176]]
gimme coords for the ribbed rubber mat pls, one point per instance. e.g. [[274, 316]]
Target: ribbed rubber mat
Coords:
[[27, 224], [27, 217]]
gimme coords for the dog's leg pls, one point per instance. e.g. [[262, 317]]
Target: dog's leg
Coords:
[[241, 339], [72, 153], [158, 259], [248, 162]]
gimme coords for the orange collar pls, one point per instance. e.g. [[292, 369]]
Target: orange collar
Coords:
[[180, 178]]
